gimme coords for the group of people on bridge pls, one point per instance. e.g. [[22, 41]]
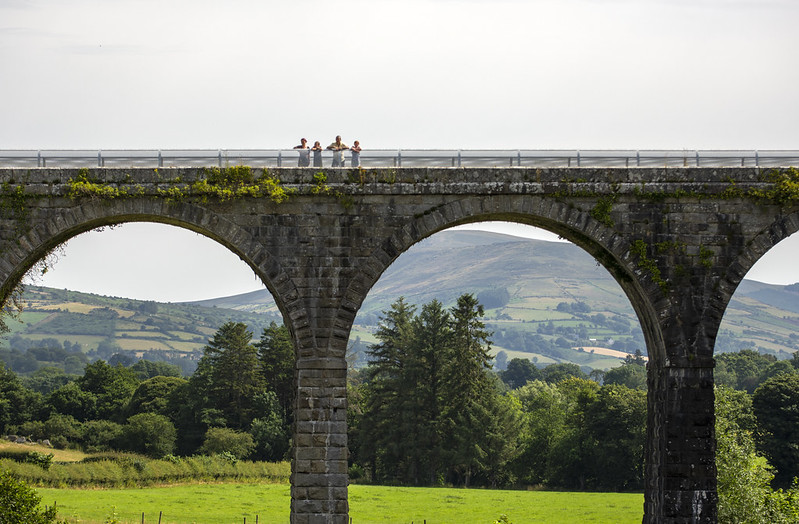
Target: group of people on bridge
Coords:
[[338, 147]]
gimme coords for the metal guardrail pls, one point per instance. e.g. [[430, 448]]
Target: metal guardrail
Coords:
[[55, 158]]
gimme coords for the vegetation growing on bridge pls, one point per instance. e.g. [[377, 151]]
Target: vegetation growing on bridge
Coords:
[[639, 248], [601, 211], [226, 184]]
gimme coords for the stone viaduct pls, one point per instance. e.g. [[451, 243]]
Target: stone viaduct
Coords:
[[678, 241]]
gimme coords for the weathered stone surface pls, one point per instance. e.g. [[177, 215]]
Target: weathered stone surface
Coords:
[[676, 248]]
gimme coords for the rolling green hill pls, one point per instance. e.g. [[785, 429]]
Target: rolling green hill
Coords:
[[546, 301], [100, 326], [558, 300]]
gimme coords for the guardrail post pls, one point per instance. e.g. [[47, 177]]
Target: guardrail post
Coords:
[[697, 159], [399, 158], [279, 158], [38, 159], [100, 158], [578, 158], [757, 159], [219, 157], [459, 158], [160, 159], [637, 159], [519, 158]]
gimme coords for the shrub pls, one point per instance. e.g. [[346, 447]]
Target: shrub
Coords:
[[61, 428], [59, 442], [33, 429], [221, 440], [40, 459], [100, 435], [20, 503], [148, 433]]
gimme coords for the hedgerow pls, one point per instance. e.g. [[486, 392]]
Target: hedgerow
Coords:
[[131, 470]]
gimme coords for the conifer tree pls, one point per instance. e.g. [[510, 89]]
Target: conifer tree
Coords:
[[276, 355], [235, 375], [467, 383], [432, 348], [382, 431]]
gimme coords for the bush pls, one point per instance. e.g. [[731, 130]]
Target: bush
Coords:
[[100, 435], [60, 428], [59, 442], [221, 440], [148, 433], [19, 503], [40, 459], [33, 429]]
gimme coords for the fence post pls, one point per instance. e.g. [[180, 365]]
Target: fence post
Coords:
[[757, 159]]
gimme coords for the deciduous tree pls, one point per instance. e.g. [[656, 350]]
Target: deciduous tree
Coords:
[[776, 406]]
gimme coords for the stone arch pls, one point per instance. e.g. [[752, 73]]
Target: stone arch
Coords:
[[577, 226], [57, 228], [754, 250], [604, 244]]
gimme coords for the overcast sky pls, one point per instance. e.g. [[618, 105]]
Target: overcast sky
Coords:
[[534, 74]]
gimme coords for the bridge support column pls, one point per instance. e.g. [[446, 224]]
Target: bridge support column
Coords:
[[319, 465], [681, 453]]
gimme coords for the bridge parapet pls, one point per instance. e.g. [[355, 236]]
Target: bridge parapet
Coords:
[[676, 181]]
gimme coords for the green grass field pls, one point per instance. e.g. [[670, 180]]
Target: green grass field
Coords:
[[232, 503]]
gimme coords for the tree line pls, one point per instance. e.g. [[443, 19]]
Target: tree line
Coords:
[[428, 409], [239, 400]]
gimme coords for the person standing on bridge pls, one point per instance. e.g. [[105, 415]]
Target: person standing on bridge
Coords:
[[305, 153], [317, 154], [356, 154], [338, 147]]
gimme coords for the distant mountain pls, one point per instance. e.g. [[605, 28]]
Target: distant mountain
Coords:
[[559, 299], [546, 301], [782, 297]]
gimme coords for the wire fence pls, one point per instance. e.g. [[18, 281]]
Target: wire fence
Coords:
[[397, 158]]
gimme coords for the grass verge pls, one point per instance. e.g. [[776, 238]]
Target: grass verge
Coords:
[[228, 503]]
